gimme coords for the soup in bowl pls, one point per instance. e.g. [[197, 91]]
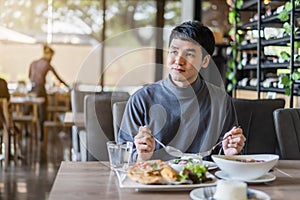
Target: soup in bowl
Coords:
[[246, 167]]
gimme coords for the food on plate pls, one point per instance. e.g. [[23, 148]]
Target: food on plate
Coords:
[[169, 174], [182, 161], [152, 172], [159, 172], [179, 163], [245, 160], [231, 190], [194, 172]]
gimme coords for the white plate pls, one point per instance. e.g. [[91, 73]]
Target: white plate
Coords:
[[263, 179], [126, 182], [198, 194]]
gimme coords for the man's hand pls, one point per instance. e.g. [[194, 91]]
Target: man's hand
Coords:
[[145, 144], [234, 143]]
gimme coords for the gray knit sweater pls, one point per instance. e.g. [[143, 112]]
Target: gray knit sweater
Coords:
[[192, 119]]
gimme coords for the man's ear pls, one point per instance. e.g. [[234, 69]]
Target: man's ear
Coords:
[[206, 61]]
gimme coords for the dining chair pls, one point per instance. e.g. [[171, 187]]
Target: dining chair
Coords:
[[256, 119], [118, 111], [77, 106], [98, 124], [58, 105], [9, 133], [287, 126], [23, 119]]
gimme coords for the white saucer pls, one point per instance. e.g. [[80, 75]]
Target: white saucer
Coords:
[[198, 194], [268, 177]]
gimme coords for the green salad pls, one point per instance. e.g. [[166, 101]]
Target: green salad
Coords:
[[194, 172]]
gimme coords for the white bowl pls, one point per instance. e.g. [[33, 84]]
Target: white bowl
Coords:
[[245, 170]]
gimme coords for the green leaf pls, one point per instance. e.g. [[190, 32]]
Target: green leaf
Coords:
[[296, 75], [229, 87], [230, 3], [287, 27], [297, 44], [231, 64], [288, 6], [285, 55], [234, 47], [240, 66], [286, 80], [287, 91], [283, 16], [298, 59], [231, 75], [239, 3], [231, 16], [238, 39], [233, 80], [231, 32]]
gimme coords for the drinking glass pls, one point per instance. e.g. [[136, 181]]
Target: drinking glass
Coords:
[[119, 154]]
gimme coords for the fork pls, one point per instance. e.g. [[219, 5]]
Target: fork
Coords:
[[169, 149], [207, 153]]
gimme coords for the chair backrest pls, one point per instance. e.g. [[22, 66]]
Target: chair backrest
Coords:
[[118, 111], [256, 119], [99, 122], [287, 126], [77, 99]]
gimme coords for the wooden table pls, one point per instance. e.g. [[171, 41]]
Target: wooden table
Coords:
[[74, 119], [94, 180]]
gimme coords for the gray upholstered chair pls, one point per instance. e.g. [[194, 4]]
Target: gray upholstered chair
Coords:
[[256, 119], [118, 111], [77, 104], [98, 124], [287, 126]]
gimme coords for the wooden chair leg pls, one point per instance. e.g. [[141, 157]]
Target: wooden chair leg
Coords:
[[45, 142], [6, 143], [16, 152], [31, 136], [1, 141], [54, 135], [35, 133]]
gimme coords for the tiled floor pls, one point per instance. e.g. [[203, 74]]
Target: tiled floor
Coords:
[[34, 174]]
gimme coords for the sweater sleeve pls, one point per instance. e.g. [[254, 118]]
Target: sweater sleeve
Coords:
[[132, 120]]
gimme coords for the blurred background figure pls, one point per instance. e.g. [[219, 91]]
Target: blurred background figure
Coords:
[[3, 94], [37, 74], [3, 89]]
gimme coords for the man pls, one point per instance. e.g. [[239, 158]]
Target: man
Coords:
[[182, 110], [37, 74]]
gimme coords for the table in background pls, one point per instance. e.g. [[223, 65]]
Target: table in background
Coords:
[[94, 180]]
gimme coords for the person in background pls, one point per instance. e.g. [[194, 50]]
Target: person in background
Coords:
[[182, 110], [4, 93], [37, 74]]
